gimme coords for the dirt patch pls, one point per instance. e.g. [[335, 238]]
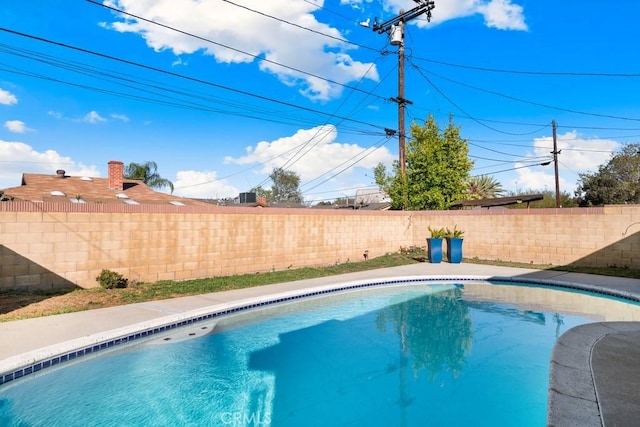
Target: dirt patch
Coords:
[[19, 306]]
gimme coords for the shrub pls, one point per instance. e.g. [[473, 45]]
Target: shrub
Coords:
[[437, 233], [110, 280], [455, 233]]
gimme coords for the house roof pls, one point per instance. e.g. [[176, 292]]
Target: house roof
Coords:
[[497, 201], [373, 195], [71, 189]]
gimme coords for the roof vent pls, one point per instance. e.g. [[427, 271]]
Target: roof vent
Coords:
[[60, 173], [131, 202], [122, 196], [86, 178], [57, 193], [176, 203]]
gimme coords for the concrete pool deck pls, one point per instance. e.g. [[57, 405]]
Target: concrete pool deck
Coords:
[[595, 368]]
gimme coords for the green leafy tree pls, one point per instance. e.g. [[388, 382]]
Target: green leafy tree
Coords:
[[436, 172], [285, 186], [147, 172], [616, 182], [483, 187], [262, 193]]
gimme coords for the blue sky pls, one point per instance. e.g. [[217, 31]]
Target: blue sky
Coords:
[[224, 91]]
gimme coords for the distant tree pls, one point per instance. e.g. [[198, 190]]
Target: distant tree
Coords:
[[262, 193], [344, 201], [483, 187], [616, 182], [147, 173], [437, 169], [285, 186]]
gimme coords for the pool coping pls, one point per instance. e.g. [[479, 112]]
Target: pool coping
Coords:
[[573, 396]]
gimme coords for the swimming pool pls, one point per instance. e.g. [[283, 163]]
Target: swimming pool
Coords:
[[423, 353]]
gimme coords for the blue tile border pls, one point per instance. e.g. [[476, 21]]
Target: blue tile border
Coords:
[[91, 349]]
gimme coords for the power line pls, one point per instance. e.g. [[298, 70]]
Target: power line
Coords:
[[179, 103], [364, 154], [596, 127], [463, 111], [260, 58], [291, 161], [351, 161], [518, 159], [541, 125], [538, 104], [79, 68], [293, 24], [181, 76], [331, 11], [515, 168], [492, 150], [539, 73]]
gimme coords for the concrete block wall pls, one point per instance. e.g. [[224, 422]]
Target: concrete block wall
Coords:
[[57, 245]]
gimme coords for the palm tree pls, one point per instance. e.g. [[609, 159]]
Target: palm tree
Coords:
[[483, 187], [147, 173]]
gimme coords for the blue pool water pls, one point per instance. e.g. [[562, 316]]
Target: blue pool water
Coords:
[[414, 355]]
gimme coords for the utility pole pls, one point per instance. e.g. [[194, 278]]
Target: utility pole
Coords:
[[395, 29], [555, 153], [402, 102]]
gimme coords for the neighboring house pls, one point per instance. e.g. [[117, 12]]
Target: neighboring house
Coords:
[[62, 188], [250, 201], [368, 199], [372, 199], [371, 195]]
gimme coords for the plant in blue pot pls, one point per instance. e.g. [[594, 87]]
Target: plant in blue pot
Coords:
[[434, 244], [454, 244]]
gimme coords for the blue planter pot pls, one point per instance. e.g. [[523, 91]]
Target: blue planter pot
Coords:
[[454, 250], [434, 250]]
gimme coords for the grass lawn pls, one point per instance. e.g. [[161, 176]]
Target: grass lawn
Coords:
[[22, 305]]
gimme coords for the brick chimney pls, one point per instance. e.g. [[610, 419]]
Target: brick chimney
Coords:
[[116, 175]]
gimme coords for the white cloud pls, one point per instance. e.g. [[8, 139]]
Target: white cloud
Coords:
[[252, 33], [311, 153], [577, 155], [121, 117], [55, 114], [501, 14], [179, 61], [93, 117], [539, 178], [356, 4], [17, 158], [16, 126], [7, 98], [202, 185]]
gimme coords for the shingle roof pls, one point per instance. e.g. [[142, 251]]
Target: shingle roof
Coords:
[[41, 187]]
